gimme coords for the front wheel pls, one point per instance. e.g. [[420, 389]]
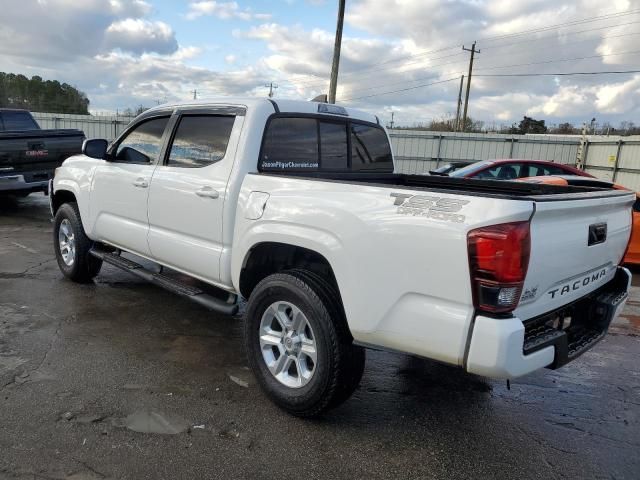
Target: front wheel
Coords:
[[72, 245], [298, 344]]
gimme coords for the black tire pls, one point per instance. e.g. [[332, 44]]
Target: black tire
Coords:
[[84, 266], [356, 357], [339, 364]]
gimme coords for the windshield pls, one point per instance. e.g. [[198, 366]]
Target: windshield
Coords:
[[469, 169]]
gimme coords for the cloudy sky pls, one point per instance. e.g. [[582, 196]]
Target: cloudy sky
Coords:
[[398, 55]]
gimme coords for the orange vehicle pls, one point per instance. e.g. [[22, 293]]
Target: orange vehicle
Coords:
[[632, 256]]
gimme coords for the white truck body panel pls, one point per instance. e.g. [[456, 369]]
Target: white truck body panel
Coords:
[[404, 279], [561, 259]]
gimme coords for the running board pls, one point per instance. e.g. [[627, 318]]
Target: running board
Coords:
[[192, 293]]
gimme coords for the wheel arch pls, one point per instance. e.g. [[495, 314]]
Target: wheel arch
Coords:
[[266, 258], [60, 197]]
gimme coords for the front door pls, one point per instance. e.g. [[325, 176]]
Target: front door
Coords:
[[188, 193], [120, 187]]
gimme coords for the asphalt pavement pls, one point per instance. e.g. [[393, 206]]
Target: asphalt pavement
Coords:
[[120, 379]]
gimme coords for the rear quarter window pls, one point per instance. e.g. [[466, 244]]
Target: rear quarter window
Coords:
[[290, 144]]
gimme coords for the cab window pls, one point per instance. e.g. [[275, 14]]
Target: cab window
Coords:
[[143, 143], [200, 140]]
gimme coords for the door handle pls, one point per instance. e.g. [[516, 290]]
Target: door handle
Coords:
[[207, 192], [141, 183]]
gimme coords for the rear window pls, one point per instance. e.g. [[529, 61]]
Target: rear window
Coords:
[[315, 144], [334, 149], [18, 121], [369, 148]]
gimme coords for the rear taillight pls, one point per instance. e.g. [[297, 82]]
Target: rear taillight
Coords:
[[498, 261]]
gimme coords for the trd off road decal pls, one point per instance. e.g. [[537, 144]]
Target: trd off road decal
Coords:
[[438, 208]]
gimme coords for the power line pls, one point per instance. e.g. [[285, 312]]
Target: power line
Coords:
[[498, 37], [311, 84], [555, 36], [314, 83], [632, 52], [560, 74], [557, 74], [560, 25], [320, 83], [421, 79], [524, 32], [401, 90]]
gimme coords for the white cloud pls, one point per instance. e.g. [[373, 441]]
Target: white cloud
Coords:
[[122, 56], [139, 35], [621, 97], [222, 10]]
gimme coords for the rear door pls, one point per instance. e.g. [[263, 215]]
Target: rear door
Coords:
[[189, 189], [576, 246]]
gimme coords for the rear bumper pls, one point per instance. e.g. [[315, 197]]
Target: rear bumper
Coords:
[[18, 182], [509, 348]]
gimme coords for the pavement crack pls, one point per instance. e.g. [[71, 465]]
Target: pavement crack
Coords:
[[90, 468], [25, 273]]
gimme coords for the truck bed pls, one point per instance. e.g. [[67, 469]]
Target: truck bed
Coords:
[[462, 186]]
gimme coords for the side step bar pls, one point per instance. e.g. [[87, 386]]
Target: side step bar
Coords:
[[192, 293]]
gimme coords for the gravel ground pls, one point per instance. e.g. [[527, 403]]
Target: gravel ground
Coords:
[[120, 379]]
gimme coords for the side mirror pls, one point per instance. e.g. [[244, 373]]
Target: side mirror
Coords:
[[95, 148]]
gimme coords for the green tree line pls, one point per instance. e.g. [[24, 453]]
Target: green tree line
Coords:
[[38, 95]]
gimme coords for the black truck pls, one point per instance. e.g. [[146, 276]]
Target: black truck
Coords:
[[30, 155]]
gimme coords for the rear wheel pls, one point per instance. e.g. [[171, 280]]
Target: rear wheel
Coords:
[[298, 343], [72, 245]]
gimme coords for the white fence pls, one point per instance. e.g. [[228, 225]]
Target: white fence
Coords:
[[420, 151], [613, 158], [93, 126]]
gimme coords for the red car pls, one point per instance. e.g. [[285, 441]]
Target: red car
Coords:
[[513, 169]]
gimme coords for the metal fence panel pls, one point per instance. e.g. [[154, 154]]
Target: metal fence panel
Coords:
[[628, 179], [601, 154], [629, 155], [93, 126]]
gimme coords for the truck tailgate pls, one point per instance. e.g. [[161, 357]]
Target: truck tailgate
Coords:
[[576, 246]]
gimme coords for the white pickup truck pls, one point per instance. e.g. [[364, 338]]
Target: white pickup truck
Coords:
[[295, 207]]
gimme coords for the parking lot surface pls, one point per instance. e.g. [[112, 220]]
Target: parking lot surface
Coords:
[[120, 379]]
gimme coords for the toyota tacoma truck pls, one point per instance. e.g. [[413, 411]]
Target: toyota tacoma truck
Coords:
[[29, 155], [295, 207]]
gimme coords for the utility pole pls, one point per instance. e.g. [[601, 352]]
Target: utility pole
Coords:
[[195, 94], [457, 124], [333, 85], [466, 98], [272, 86], [391, 123]]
